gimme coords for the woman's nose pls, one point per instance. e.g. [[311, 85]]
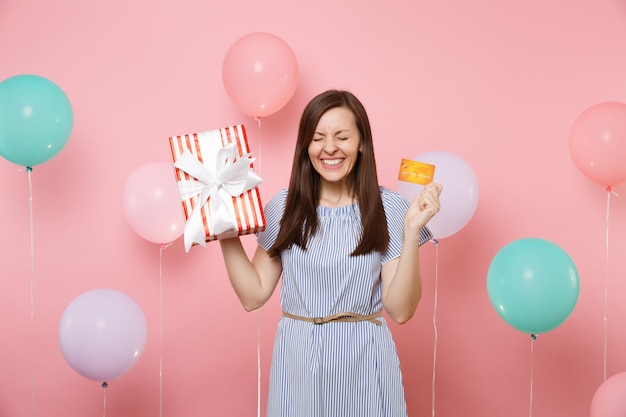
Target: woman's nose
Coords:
[[330, 146]]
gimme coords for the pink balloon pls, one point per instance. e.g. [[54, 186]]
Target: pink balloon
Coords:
[[459, 197], [610, 398], [260, 74], [597, 143], [102, 334], [152, 203]]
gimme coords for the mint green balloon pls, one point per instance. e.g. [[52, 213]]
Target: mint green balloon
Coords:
[[36, 119], [533, 285]]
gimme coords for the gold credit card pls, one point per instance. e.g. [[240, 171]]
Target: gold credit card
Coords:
[[416, 172]]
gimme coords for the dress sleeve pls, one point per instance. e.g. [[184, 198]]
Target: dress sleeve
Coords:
[[395, 209], [273, 212]]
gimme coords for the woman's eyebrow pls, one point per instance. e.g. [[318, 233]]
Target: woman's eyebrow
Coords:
[[337, 132]]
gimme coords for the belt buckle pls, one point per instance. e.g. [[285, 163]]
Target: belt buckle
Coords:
[[318, 320]]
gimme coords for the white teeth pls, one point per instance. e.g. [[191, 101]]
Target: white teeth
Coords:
[[332, 161]]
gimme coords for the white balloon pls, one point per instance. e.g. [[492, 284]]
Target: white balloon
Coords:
[[102, 334], [459, 198]]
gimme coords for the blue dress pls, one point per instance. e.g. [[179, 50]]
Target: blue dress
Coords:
[[336, 369]]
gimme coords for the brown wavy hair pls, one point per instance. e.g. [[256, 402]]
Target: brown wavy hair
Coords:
[[300, 220]]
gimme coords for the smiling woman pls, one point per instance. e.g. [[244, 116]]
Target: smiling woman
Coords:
[[346, 249]]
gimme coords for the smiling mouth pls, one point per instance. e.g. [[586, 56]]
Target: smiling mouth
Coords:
[[332, 162]]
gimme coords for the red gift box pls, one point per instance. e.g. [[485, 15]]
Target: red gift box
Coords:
[[217, 185]]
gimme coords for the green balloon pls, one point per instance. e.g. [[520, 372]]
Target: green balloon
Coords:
[[533, 285], [36, 119]]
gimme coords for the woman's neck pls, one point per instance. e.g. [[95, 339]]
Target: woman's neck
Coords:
[[336, 196]]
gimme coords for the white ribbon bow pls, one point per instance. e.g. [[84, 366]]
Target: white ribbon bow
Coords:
[[230, 177]]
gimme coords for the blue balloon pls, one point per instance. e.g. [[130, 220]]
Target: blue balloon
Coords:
[[533, 285], [36, 119]]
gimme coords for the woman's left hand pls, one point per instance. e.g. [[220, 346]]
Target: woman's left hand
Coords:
[[423, 207]]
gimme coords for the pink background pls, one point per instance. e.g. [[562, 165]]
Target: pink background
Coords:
[[496, 82]]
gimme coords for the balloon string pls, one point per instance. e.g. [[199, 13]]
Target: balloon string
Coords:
[[104, 399], [32, 291], [258, 361], [435, 322], [258, 119], [532, 344], [258, 342], [161, 248], [606, 274]]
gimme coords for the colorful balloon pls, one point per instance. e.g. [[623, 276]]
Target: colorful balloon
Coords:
[[36, 119], [152, 203], [533, 285], [609, 399], [102, 334], [597, 143], [459, 197], [260, 74]]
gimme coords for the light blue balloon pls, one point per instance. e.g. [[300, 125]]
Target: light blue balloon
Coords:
[[36, 119], [533, 285]]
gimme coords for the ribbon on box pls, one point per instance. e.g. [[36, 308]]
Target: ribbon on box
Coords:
[[231, 176]]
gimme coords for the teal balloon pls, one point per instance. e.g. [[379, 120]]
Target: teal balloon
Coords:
[[36, 119], [533, 285]]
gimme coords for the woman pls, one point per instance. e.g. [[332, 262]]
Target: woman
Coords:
[[346, 248]]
